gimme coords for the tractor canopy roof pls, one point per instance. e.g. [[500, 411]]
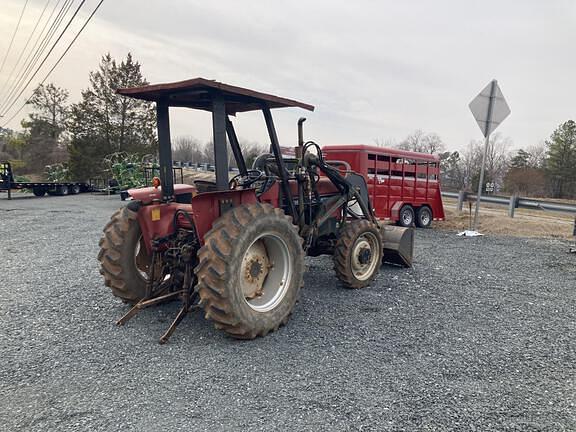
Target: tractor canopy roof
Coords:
[[199, 93]]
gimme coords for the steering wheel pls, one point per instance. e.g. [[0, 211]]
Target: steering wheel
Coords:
[[252, 176]]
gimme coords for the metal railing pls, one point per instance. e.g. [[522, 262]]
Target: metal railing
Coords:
[[513, 202]]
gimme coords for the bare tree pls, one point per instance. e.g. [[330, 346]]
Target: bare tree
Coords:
[[537, 157], [432, 143], [385, 142], [251, 150], [498, 158], [187, 149], [497, 161], [421, 142], [412, 142]]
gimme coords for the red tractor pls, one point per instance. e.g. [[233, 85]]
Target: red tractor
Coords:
[[236, 246]]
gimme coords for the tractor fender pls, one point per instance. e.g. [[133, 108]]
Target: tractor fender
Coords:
[[149, 194], [157, 219]]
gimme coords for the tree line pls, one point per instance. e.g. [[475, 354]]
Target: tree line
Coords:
[[547, 168], [82, 134]]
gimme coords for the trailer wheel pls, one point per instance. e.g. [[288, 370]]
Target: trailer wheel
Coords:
[[406, 216], [74, 189], [424, 217], [124, 261], [358, 253], [62, 190], [39, 191], [250, 270]]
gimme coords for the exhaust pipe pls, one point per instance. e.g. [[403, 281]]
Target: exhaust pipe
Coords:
[[301, 132]]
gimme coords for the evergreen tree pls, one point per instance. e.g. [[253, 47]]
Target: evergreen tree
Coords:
[[50, 109], [45, 128], [561, 162], [521, 160], [104, 122]]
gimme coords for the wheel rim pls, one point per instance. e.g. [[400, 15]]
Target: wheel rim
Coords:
[[425, 218], [406, 217], [141, 259], [265, 272], [365, 255]]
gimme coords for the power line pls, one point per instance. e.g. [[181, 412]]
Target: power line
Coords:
[[33, 50], [13, 35], [25, 46], [59, 59], [33, 55], [38, 53], [14, 100]]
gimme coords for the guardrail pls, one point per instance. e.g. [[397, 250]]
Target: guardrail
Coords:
[[513, 202]]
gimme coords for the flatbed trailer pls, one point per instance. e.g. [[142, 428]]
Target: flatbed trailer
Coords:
[[7, 184]]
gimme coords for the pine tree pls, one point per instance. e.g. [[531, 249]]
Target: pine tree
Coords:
[[104, 122], [521, 160], [561, 162], [45, 128]]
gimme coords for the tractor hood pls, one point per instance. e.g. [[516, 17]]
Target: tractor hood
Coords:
[[149, 194]]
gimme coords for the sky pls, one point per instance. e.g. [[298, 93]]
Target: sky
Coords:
[[374, 70]]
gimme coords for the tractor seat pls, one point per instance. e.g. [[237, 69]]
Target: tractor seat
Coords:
[[205, 186]]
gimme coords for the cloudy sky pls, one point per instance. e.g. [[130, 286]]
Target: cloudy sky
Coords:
[[373, 69]]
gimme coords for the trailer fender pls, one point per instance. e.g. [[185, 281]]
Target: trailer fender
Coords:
[[395, 210]]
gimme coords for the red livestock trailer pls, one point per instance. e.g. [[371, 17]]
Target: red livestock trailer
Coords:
[[404, 186]]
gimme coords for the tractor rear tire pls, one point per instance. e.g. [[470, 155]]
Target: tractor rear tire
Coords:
[[123, 256], [358, 253], [250, 270]]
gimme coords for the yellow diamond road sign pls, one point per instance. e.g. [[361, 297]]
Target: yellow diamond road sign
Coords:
[[489, 108]]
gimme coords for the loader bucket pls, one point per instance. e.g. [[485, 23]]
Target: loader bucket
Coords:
[[398, 245]]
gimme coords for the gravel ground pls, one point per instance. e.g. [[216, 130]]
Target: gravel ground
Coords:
[[479, 335]]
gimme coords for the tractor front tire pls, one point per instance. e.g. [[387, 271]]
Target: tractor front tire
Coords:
[[358, 253], [123, 257], [250, 270]]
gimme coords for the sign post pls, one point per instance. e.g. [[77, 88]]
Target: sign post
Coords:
[[489, 109]]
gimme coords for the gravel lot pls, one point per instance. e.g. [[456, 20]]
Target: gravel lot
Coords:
[[479, 335]]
